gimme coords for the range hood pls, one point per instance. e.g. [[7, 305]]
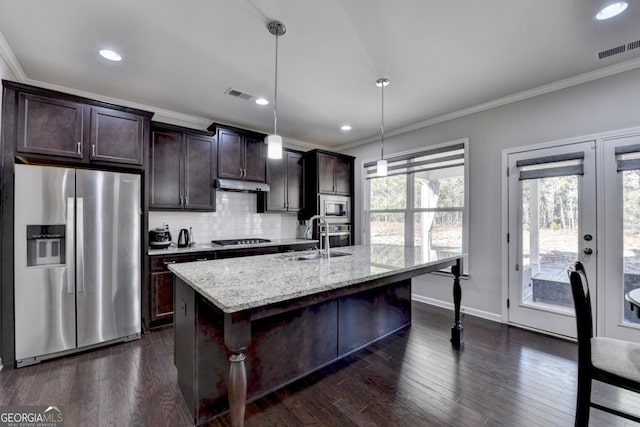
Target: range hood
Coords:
[[238, 185]]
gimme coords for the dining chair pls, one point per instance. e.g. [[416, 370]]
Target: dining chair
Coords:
[[608, 360]]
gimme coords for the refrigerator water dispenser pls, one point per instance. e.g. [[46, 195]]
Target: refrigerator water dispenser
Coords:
[[45, 245]]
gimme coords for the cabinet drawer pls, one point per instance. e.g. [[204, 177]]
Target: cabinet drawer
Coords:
[[233, 253], [161, 263]]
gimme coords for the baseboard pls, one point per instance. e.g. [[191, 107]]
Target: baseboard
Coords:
[[449, 306]]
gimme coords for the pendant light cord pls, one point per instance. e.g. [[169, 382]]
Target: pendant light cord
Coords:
[[275, 96], [382, 125]]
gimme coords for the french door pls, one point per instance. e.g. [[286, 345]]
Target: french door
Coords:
[[578, 201], [552, 223], [620, 253]]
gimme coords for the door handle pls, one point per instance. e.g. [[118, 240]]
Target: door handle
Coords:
[[69, 241], [80, 245], [79, 151], [588, 251], [93, 150]]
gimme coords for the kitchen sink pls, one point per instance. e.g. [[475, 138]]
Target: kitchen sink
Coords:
[[314, 255]]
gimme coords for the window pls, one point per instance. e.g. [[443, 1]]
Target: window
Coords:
[[421, 202]]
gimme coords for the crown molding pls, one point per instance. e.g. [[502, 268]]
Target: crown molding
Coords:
[[510, 99], [11, 60]]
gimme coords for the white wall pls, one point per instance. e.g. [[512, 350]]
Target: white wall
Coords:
[[235, 217], [602, 105]]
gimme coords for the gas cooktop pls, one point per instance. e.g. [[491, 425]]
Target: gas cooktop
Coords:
[[232, 242]]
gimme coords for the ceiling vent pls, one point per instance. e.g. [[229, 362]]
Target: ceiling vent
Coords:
[[238, 94], [613, 51], [633, 45], [618, 50]]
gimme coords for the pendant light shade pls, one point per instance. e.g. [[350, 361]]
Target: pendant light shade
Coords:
[[381, 165], [274, 142], [274, 146]]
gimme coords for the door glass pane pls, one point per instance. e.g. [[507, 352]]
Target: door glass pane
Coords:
[[631, 236], [387, 228], [549, 240]]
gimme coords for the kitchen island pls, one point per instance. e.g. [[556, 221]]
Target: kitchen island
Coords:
[[247, 326]]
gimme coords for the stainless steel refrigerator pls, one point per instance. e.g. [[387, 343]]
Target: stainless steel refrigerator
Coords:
[[77, 260]]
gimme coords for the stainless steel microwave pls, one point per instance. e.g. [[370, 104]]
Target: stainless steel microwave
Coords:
[[335, 208]]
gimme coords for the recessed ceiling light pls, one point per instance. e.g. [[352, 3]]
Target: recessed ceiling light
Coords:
[[110, 55], [261, 101], [612, 9], [346, 128]]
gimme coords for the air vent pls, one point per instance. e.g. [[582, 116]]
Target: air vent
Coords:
[[613, 51], [238, 94], [633, 45]]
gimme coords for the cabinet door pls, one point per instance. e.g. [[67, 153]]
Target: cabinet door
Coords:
[[165, 170], [230, 154], [255, 159], [294, 181], [49, 126], [342, 176], [326, 173], [199, 173], [116, 136], [276, 177], [161, 296]]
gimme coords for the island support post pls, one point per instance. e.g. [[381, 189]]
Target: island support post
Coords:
[[457, 331], [237, 337]]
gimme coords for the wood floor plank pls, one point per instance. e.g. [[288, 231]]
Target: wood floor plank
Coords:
[[503, 376]]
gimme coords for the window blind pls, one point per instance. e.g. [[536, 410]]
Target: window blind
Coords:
[[550, 166], [421, 161], [627, 157]]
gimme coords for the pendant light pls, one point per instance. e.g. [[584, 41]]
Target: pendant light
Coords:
[[274, 142], [381, 165]]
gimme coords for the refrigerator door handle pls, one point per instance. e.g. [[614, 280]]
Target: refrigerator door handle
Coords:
[[80, 244], [70, 231]]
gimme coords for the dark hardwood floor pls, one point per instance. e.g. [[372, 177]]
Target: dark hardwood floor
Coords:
[[503, 377]]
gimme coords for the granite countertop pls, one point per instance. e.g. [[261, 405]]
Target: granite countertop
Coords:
[[207, 247], [244, 283]]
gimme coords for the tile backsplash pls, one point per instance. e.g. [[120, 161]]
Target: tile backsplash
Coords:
[[235, 217]]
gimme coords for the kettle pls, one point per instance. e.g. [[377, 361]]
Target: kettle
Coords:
[[183, 238]]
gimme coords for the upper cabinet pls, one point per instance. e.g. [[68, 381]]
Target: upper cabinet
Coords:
[[182, 169], [328, 173], [50, 126], [116, 136], [54, 124], [241, 154], [334, 174], [284, 177]]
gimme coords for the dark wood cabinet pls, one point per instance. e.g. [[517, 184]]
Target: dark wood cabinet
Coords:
[[50, 126], [334, 174], [182, 169], [58, 125], [325, 172], [241, 154], [284, 177], [160, 286], [161, 296], [116, 136], [254, 159]]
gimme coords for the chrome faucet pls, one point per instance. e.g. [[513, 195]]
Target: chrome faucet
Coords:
[[308, 231]]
